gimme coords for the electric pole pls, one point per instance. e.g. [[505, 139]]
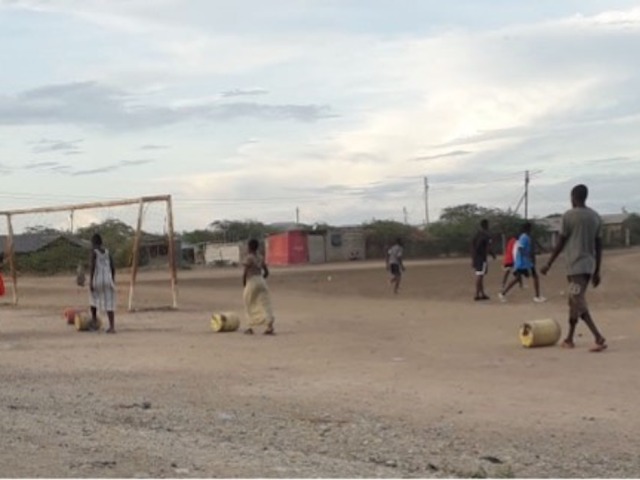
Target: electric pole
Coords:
[[526, 194], [297, 216], [426, 201], [406, 215]]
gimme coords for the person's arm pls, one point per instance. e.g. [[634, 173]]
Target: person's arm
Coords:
[[596, 274], [113, 268], [562, 241], [265, 270], [490, 248], [93, 269], [387, 258]]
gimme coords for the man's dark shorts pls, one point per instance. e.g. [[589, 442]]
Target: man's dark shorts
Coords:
[[395, 270], [526, 272], [480, 266]]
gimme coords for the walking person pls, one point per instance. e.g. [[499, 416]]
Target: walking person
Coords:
[[256, 296], [524, 265], [508, 260], [581, 240], [395, 265], [480, 251], [102, 283]]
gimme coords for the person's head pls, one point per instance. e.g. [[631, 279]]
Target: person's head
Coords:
[[253, 245], [579, 195], [96, 240], [399, 241], [526, 228], [484, 224]]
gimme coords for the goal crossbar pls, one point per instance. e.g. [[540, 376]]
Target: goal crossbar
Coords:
[[141, 201]]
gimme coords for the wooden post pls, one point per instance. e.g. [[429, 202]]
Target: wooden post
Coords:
[[136, 254], [172, 253], [10, 254]]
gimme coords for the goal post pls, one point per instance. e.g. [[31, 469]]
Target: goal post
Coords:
[[10, 249]]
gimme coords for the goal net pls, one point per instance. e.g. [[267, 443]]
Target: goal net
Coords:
[[46, 252]]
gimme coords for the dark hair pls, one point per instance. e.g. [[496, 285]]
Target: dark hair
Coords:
[[526, 227], [580, 193], [399, 241], [96, 239], [253, 245], [484, 223]]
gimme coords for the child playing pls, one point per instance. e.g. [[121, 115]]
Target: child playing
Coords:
[[102, 283]]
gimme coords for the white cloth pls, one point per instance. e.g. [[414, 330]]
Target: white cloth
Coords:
[[395, 255], [103, 296]]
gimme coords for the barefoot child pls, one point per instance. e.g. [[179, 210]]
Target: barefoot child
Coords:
[[581, 238], [395, 266], [257, 300], [102, 283]]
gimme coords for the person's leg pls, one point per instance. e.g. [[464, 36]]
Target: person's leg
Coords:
[[505, 277], [574, 311], [583, 312], [94, 314], [398, 279], [517, 279], [536, 285], [112, 322]]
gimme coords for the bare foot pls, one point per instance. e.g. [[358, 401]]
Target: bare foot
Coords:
[[270, 331], [568, 344], [110, 330], [248, 331], [600, 346]]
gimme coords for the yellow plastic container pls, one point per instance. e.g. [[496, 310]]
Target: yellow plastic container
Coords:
[[83, 322], [225, 322], [540, 333]]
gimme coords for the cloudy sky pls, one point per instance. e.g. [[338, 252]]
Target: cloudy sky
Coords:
[[251, 108]]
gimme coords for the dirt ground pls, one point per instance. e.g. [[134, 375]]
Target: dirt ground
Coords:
[[357, 382]]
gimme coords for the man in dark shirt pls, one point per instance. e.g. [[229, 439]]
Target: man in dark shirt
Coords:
[[480, 250]]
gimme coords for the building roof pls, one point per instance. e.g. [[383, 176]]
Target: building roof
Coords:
[[33, 242], [554, 224]]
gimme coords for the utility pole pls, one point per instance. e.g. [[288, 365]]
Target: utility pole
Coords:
[[71, 221], [526, 195], [426, 201], [406, 215], [297, 216]]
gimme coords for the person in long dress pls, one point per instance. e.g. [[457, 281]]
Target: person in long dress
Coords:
[[102, 283], [257, 299]]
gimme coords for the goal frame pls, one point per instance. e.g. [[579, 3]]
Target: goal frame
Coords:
[[141, 201]]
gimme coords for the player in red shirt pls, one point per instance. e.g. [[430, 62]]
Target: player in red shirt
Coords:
[[508, 260]]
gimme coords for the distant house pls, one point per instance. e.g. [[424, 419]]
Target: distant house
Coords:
[[614, 231], [154, 249], [316, 246], [27, 243]]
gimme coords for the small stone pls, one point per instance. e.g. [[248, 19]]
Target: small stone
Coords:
[[182, 471], [432, 467], [492, 459], [174, 465], [146, 405], [391, 463]]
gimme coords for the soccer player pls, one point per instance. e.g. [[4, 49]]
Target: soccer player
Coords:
[[480, 250], [524, 265], [581, 239], [395, 266]]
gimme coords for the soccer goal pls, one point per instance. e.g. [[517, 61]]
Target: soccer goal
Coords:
[[52, 241]]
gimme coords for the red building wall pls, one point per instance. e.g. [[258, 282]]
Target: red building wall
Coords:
[[289, 248]]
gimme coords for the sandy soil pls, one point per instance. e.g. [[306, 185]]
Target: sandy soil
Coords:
[[357, 383]]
